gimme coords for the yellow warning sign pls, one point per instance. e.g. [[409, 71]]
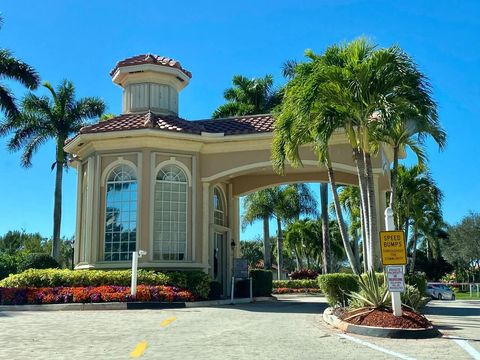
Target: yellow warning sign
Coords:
[[394, 251]]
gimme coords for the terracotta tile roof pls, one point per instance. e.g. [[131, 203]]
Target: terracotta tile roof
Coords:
[[151, 59], [249, 124], [143, 121]]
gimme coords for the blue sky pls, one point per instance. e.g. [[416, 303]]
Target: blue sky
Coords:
[[82, 41]]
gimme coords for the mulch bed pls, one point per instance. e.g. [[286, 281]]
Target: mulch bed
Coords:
[[384, 318]]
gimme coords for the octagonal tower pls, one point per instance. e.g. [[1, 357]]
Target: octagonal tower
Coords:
[[150, 83]]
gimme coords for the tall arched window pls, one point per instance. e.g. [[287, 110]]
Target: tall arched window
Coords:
[[218, 208], [170, 214], [121, 214]]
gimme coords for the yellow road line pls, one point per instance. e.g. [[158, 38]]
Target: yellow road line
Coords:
[[139, 349], [168, 321]]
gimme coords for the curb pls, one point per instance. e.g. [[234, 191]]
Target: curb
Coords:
[[393, 333], [130, 305]]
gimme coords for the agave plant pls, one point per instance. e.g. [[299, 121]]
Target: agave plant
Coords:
[[372, 294]]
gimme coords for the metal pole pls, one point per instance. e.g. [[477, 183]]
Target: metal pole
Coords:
[[233, 289], [396, 300], [133, 285], [251, 290]]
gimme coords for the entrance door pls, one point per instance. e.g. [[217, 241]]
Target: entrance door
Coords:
[[220, 259]]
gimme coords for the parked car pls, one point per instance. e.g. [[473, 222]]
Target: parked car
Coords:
[[440, 292]]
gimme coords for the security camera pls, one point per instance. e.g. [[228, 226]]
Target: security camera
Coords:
[[141, 253]]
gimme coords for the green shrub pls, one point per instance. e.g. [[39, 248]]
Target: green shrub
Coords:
[[198, 283], [412, 297], [336, 287], [195, 281], [295, 284], [262, 282], [418, 280], [38, 261], [8, 265]]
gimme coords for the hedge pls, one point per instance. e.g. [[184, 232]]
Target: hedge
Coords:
[[195, 281], [261, 282], [295, 284], [336, 287]]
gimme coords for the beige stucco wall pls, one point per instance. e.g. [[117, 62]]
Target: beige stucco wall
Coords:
[[238, 167]]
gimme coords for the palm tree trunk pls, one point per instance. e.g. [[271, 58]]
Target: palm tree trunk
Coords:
[[267, 261], [57, 208], [341, 222], [325, 228], [364, 241], [374, 243], [414, 248], [297, 258], [279, 248], [362, 183], [393, 176]]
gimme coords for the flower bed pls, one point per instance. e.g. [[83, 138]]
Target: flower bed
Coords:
[[283, 290], [107, 293]]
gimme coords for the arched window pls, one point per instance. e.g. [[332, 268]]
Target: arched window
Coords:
[[170, 214], [121, 214], [218, 208]]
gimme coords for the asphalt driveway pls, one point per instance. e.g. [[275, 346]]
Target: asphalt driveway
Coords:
[[291, 328]]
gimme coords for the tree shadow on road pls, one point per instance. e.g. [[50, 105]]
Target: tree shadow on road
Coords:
[[293, 306]]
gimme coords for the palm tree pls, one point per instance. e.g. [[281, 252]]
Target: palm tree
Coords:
[[326, 260], [349, 198], [57, 118], [358, 88], [14, 69], [418, 205], [404, 132], [282, 203], [303, 238], [259, 206], [248, 97]]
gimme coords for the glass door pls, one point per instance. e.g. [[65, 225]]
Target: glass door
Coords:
[[220, 259]]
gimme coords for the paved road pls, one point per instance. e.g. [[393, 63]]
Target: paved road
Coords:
[[291, 328]]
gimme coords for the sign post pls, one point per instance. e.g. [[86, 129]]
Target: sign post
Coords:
[[394, 257]]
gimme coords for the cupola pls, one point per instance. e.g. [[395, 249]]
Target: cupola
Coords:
[[150, 83]]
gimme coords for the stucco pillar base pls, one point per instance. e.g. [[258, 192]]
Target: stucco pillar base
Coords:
[[84, 266]]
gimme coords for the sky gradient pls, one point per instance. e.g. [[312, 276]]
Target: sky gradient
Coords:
[[82, 41]]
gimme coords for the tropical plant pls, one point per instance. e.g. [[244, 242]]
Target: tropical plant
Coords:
[[252, 251], [248, 97], [326, 257], [14, 69], [356, 87], [57, 118], [372, 294], [284, 204], [418, 206], [411, 132]]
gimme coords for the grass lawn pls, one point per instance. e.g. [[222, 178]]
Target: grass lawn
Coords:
[[466, 296]]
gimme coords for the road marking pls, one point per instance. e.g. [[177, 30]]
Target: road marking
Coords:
[[139, 349], [467, 347], [376, 347], [168, 321]]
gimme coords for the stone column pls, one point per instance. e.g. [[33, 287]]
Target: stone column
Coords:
[[206, 226], [89, 210], [76, 250]]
